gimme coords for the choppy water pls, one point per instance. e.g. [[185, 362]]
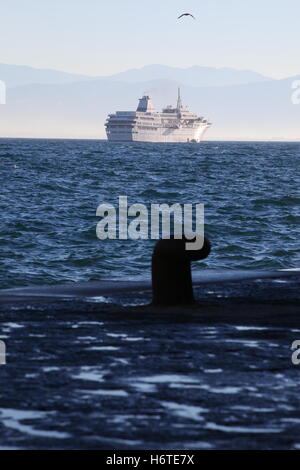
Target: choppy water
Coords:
[[50, 191], [103, 377], [99, 375]]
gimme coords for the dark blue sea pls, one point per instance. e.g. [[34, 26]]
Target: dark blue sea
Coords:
[[107, 375]]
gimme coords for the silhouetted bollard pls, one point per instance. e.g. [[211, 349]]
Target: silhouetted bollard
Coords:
[[171, 271]]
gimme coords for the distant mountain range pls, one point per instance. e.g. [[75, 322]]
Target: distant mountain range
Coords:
[[192, 76], [17, 75], [241, 104]]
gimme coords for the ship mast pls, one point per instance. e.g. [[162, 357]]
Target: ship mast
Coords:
[[179, 103]]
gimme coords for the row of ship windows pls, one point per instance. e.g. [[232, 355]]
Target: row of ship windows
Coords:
[[147, 119], [126, 123], [127, 128], [120, 126], [113, 131], [121, 123], [130, 127]]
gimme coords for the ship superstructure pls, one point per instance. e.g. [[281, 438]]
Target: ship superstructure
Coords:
[[173, 124]]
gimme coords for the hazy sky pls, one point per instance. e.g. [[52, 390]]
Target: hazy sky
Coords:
[[100, 37]]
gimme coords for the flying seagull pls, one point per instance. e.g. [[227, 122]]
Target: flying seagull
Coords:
[[186, 14]]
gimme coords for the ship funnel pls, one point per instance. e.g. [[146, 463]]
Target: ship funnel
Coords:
[[145, 105]]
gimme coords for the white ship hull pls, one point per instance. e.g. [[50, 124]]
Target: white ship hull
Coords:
[[146, 125], [161, 135]]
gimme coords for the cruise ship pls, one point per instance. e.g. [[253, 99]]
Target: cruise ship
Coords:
[[173, 124]]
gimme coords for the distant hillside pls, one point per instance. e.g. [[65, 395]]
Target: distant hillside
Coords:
[[192, 76], [18, 75], [78, 110]]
